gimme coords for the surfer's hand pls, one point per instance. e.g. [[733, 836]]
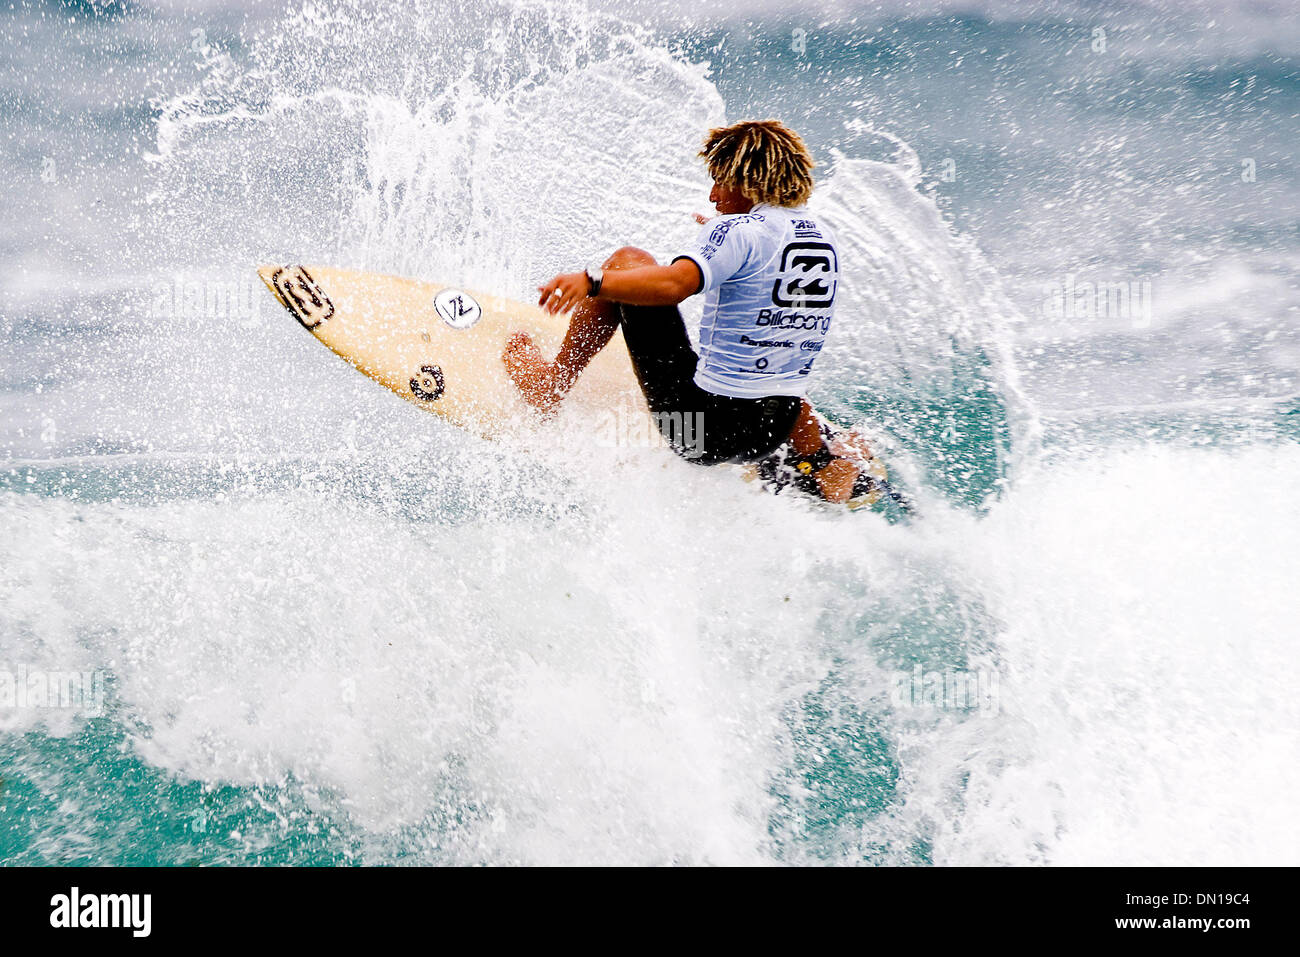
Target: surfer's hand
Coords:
[[700, 218], [563, 292]]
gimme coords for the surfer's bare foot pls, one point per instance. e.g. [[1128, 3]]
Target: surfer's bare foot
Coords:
[[536, 379]]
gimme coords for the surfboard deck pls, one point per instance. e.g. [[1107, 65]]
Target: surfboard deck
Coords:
[[440, 347]]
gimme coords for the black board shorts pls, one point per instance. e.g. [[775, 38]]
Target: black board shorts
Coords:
[[701, 426]]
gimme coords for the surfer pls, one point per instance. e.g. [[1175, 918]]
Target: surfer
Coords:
[[769, 270]]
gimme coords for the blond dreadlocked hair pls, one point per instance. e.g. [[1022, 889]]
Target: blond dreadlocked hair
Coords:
[[764, 159]]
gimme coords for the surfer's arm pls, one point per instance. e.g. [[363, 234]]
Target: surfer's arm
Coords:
[[653, 285], [637, 286]]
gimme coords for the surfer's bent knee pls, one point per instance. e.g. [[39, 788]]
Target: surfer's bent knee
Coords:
[[628, 257]]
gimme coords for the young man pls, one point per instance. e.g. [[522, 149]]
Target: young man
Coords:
[[769, 272]]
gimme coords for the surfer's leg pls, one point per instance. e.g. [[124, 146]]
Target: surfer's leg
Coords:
[[594, 321], [591, 326], [702, 427], [806, 436], [836, 477]]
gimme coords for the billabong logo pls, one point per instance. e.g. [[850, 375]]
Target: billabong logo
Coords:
[[132, 911], [302, 296], [458, 309], [809, 272]]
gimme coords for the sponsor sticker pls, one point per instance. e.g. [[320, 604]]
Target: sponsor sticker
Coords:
[[458, 309], [302, 296], [809, 274], [428, 384]]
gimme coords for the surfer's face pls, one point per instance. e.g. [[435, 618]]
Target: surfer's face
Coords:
[[727, 200]]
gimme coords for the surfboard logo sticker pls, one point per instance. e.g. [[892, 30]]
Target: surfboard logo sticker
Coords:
[[302, 296], [458, 309], [429, 384]]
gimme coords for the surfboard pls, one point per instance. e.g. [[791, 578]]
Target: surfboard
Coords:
[[440, 347]]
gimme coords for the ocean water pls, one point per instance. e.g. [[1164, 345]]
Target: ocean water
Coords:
[[312, 625]]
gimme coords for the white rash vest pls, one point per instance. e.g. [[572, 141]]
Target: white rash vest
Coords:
[[770, 277]]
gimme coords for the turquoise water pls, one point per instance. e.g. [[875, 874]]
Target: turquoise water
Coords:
[[333, 631]]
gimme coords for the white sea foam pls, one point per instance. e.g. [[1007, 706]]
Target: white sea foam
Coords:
[[616, 686]]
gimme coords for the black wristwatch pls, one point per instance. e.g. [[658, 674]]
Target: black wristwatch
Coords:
[[595, 276]]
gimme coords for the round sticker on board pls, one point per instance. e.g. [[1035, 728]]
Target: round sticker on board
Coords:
[[429, 384], [458, 309]]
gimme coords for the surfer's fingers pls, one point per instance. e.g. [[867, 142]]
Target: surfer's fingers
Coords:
[[562, 302], [548, 290], [560, 294], [568, 301]]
